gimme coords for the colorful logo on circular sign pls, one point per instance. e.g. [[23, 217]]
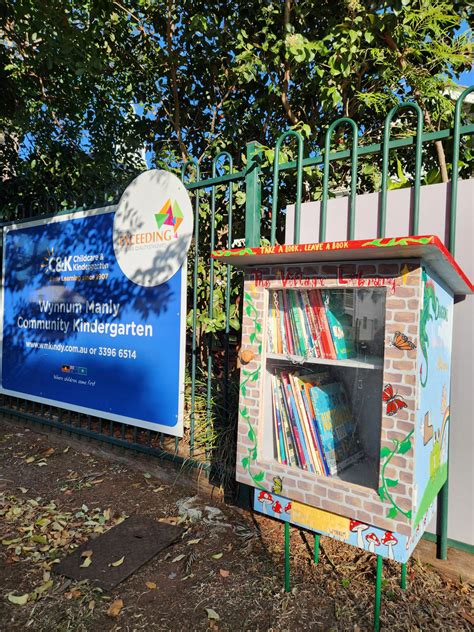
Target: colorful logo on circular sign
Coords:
[[153, 227]]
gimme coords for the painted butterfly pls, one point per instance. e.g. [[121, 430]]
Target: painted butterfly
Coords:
[[402, 342], [394, 401], [277, 487]]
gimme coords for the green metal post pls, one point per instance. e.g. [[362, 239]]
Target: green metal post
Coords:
[[194, 351], [253, 199], [378, 593], [325, 194], [287, 557], [442, 522], [299, 185], [455, 174], [317, 537], [387, 128], [403, 577]]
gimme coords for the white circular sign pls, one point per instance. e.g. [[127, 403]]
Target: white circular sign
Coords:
[[153, 226]]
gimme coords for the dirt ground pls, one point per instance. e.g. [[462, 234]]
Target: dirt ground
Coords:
[[225, 574]]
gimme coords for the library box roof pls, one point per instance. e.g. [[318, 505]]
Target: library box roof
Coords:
[[428, 248]]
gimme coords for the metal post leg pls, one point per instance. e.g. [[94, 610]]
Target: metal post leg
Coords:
[[378, 593], [403, 577], [287, 557], [317, 537], [442, 523]]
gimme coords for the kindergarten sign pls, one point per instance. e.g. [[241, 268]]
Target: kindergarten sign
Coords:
[[82, 332]]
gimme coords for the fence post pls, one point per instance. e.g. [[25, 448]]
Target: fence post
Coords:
[[253, 199]]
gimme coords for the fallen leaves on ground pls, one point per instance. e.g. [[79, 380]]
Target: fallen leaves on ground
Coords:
[[118, 562], [150, 585], [115, 608], [38, 530]]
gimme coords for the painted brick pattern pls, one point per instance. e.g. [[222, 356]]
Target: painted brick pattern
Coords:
[[403, 283]]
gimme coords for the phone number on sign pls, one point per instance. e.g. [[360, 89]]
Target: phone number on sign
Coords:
[[120, 353]]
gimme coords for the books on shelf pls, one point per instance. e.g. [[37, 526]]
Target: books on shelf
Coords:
[[310, 323], [313, 425]]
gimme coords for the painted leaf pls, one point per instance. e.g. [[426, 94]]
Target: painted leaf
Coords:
[[258, 478], [384, 452], [243, 390], [408, 514], [245, 462], [404, 446], [381, 493], [392, 513], [391, 482], [18, 600], [251, 434], [248, 310], [118, 562], [244, 412], [253, 335]]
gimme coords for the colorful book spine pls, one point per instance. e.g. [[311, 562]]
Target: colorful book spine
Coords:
[[278, 425], [288, 434], [305, 424], [296, 313], [313, 326], [286, 323], [325, 335], [340, 332], [317, 438], [296, 427], [307, 334]]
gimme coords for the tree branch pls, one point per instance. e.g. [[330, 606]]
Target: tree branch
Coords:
[[287, 74], [173, 79]]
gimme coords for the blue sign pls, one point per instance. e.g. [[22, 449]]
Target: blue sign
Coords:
[[78, 333]]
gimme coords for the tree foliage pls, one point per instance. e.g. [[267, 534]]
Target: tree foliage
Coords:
[[88, 85]]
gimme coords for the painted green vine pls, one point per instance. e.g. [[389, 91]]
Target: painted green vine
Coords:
[[386, 455], [251, 376], [383, 242], [251, 452], [229, 253], [431, 310]]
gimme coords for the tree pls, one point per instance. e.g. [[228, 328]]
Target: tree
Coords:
[[88, 85]]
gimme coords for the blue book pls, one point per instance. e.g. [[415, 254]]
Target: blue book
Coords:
[[311, 417], [336, 427], [340, 324]]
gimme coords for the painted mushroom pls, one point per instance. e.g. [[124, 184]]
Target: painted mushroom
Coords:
[[389, 540], [357, 527], [266, 499], [372, 541], [288, 507], [277, 507]]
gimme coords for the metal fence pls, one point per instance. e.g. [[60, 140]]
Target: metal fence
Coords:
[[247, 204]]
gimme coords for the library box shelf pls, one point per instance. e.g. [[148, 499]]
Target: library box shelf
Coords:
[[344, 394]]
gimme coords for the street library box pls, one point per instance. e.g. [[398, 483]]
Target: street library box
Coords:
[[344, 409]]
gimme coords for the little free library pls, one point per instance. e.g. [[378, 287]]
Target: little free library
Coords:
[[344, 411]]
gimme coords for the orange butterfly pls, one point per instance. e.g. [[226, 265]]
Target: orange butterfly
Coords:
[[402, 342]]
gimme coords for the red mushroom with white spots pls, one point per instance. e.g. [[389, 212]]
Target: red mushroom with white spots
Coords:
[[288, 507], [372, 541], [389, 540], [357, 527], [277, 507], [266, 499]]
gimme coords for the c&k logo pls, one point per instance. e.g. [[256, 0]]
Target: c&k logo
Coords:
[[54, 263]]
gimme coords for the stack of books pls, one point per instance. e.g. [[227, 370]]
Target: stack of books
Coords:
[[313, 425], [310, 323]]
